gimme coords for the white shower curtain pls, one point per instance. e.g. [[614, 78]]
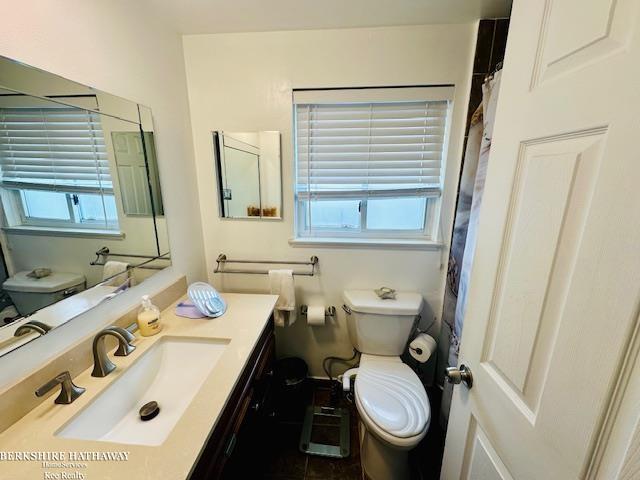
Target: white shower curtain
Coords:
[[489, 100]]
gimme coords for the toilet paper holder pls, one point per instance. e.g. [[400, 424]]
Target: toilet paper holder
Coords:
[[329, 312]]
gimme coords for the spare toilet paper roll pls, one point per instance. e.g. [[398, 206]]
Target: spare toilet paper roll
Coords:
[[315, 315], [422, 347]]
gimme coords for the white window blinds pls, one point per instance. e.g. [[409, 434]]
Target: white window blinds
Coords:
[[59, 149], [372, 149]]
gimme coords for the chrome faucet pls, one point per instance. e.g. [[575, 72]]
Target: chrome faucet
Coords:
[[102, 366], [69, 391], [32, 325]]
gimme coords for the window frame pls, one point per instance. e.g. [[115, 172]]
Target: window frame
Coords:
[[432, 202], [433, 197], [74, 222]]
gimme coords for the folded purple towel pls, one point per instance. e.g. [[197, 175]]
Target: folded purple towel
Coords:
[[188, 310]]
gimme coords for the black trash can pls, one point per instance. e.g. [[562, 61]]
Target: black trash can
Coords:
[[293, 390]]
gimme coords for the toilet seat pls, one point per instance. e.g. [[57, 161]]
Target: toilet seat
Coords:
[[391, 400]]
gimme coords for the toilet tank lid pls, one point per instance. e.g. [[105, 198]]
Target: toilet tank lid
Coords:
[[366, 301], [57, 281]]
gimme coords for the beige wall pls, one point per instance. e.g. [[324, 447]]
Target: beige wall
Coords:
[[118, 47], [255, 94]]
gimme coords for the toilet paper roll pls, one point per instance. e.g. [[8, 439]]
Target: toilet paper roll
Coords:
[[422, 347], [315, 315]]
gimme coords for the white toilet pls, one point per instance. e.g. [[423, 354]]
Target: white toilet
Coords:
[[392, 402]]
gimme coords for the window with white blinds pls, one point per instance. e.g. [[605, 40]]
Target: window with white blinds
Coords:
[[365, 146], [371, 148], [58, 149]]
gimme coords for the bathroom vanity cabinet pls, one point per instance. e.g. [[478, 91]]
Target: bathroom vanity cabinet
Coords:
[[239, 426]]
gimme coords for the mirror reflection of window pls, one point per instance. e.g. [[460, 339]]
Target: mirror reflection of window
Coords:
[[55, 170]]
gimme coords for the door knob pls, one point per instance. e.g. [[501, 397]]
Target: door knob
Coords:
[[460, 375]]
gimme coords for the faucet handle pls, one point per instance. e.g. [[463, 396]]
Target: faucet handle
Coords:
[[69, 391]]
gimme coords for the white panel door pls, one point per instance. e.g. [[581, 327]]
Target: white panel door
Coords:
[[551, 327]]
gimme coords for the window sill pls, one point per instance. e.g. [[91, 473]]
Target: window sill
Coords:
[[64, 232], [401, 244]]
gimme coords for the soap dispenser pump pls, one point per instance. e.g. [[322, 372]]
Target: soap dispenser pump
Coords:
[[148, 318]]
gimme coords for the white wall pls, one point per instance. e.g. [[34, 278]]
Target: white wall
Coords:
[[115, 46], [73, 254], [255, 94]]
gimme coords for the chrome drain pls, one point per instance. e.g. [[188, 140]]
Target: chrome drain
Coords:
[[149, 411]]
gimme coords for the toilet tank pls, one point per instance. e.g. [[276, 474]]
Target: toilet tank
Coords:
[[30, 294], [381, 327]]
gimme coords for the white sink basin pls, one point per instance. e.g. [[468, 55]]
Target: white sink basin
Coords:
[[171, 372]]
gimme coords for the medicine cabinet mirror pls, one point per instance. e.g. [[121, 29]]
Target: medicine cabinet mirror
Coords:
[[248, 167]]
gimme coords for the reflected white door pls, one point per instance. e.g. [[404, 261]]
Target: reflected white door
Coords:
[[551, 329], [132, 173]]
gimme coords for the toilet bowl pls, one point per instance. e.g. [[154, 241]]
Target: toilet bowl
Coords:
[[394, 415], [391, 400]]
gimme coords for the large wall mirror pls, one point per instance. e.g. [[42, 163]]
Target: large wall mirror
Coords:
[[81, 212], [248, 171]]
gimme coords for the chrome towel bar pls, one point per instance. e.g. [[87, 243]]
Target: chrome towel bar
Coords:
[[222, 262], [103, 254]]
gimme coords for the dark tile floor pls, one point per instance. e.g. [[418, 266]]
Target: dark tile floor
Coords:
[[285, 461], [275, 454]]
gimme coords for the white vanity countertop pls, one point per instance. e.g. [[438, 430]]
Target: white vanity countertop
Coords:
[[242, 324]]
